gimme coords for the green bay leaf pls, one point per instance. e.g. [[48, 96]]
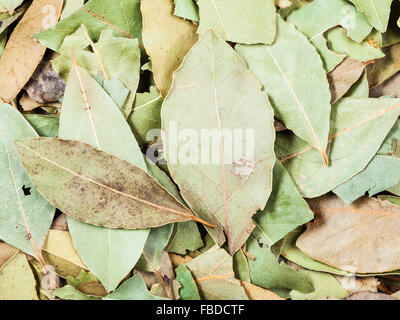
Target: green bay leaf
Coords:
[[358, 128], [301, 99], [231, 20], [24, 219]]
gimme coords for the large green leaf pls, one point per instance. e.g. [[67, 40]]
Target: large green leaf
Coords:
[[358, 128], [317, 17], [377, 11], [231, 20], [24, 219], [225, 187], [296, 84], [380, 174], [285, 210], [122, 17], [103, 190], [214, 276]]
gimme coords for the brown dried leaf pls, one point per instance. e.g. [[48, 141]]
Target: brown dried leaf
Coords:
[[361, 238], [366, 295], [344, 76], [388, 88], [386, 67], [23, 52]]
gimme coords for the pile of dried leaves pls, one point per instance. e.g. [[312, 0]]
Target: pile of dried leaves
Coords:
[[279, 124]]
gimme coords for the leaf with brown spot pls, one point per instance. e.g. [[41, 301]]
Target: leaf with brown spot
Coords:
[[361, 238], [102, 190], [23, 52]]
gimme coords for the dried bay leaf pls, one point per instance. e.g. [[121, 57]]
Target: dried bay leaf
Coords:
[[377, 11], [70, 293], [285, 210], [231, 20], [358, 128], [188, 290], [294, 254], [301, 99], [364, 51], [107, 130], [257, 293], [325, 286], [366, 295], [343, 77], [7, 252], [132, 289], [384, 68], [360, 89], [146, 115], [59, 243], [214, 276], [317, 17], [17, 281], [167, 40], [220, 193], [142, 202], [70, 7], [380, 174], [390, 87], [45, 125], [186, 9], [23, 52], [122, 17], [186, 235], [24, 219], [267, 272], [121, 60], [361, 237]]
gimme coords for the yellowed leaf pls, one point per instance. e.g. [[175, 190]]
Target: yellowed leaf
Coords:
[[23, 52], [167, 39], [7, 252], [257, 293], [17, 281], [59, 243]]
